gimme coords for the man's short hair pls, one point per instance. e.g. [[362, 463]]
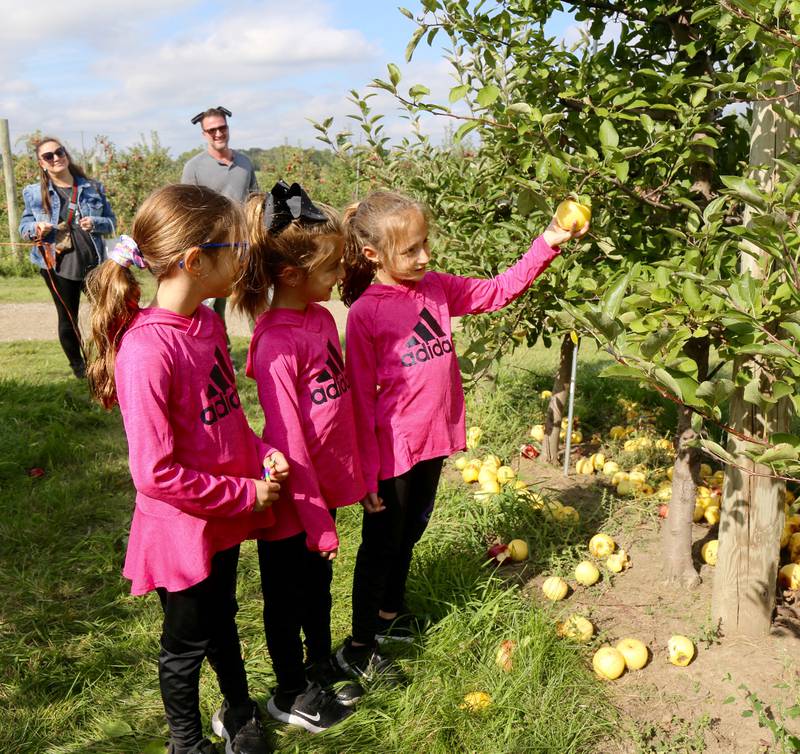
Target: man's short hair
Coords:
[[218, 110]]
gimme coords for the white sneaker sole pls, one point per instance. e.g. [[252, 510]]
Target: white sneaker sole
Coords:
[[292, 719], [219, 730], [389, 639]]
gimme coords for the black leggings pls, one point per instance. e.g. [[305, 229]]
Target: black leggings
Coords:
[[200, 622], [387, 543], [296, 584], [66, 296]]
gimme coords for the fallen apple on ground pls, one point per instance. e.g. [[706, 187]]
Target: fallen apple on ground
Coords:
[[555, 588], [587, 573], [518, 550], [635, 653], [618, 562], [680, 650], [608, 663], [498, 553], [577, 628], [475, 701], [474, 435], [709, 551], [504, 655], [789, 576], [601, 545]]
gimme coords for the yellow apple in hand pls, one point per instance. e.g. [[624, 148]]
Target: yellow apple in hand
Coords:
[[572, 215]]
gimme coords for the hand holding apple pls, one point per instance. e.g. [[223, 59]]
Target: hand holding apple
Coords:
[[571, 220]]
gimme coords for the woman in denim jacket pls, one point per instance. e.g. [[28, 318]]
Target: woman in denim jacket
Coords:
[[65, 198]]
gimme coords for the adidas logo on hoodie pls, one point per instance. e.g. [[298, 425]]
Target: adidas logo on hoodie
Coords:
[[331, 381], [221, 391], [428, 342]]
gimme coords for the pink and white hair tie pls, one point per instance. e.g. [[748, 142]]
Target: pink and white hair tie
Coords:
[[126, 253]]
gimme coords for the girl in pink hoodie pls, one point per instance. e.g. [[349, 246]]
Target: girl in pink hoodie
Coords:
[[407, 394], [296, 360], [196, 464]]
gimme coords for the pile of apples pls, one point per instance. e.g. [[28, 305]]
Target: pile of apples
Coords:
[[490, 473], [537, 432], [610, 663], [554, 509]]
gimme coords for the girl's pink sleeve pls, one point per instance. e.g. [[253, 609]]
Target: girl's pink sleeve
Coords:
[[477, 295], [143, 378], [277, 377], [362, 373]]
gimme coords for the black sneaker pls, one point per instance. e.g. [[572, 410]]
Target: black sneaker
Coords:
[[405, 628], [366, 663], [328, 675], [242, 736], [315, 709]]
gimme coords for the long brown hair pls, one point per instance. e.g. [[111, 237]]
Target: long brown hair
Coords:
[[170, 221], [302, 244], [379, 220], [44, 180]]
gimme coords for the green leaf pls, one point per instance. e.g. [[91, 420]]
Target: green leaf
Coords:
[[413, 42], [394, 74], [608, 134], [668, 381], [464, 129], [522, 108], [115, 728], [613, 297], [655, 342], [698, 96], [458, 92], [526, 202], [781, 452], [717, 450], [745, 190], [407, 13], [622, 371], [691, 295], [417, 91], [621, 169], [703, 14], [488, 95]]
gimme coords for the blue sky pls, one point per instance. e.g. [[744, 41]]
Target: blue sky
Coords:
[[127, 68]]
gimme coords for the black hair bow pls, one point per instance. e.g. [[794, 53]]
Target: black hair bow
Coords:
[[197, 118], [286, 203]]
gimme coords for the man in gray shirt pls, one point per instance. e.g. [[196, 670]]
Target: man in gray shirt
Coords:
[[220, 168]]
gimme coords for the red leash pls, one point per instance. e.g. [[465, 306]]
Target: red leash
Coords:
[[49, 255]]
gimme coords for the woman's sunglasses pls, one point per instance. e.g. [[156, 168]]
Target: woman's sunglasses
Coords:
[[50, 156]]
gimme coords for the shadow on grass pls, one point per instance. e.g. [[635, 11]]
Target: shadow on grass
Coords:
[[71, 635]]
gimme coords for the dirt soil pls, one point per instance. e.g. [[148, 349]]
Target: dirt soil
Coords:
[[679, 709]]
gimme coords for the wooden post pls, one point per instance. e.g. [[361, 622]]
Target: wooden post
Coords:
[[11, 189], [751, 523]]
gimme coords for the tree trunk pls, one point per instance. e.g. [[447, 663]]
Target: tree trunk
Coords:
[[555, 409], [751, 523], [676, 530], [750, 527]]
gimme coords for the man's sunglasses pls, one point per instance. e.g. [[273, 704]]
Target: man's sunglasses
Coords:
[[212, 131], [50, 156]]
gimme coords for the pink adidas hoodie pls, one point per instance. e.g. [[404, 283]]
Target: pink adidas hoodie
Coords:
[[407, 393], [193, 457], [296, 361]]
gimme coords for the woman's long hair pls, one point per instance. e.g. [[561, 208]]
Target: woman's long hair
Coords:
[[170, 221], [44, 179]]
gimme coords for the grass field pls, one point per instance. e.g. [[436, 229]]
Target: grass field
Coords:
[[78, 653]]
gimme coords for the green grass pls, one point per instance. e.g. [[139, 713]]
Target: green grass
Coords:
[[16, 289], [78, 653]]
